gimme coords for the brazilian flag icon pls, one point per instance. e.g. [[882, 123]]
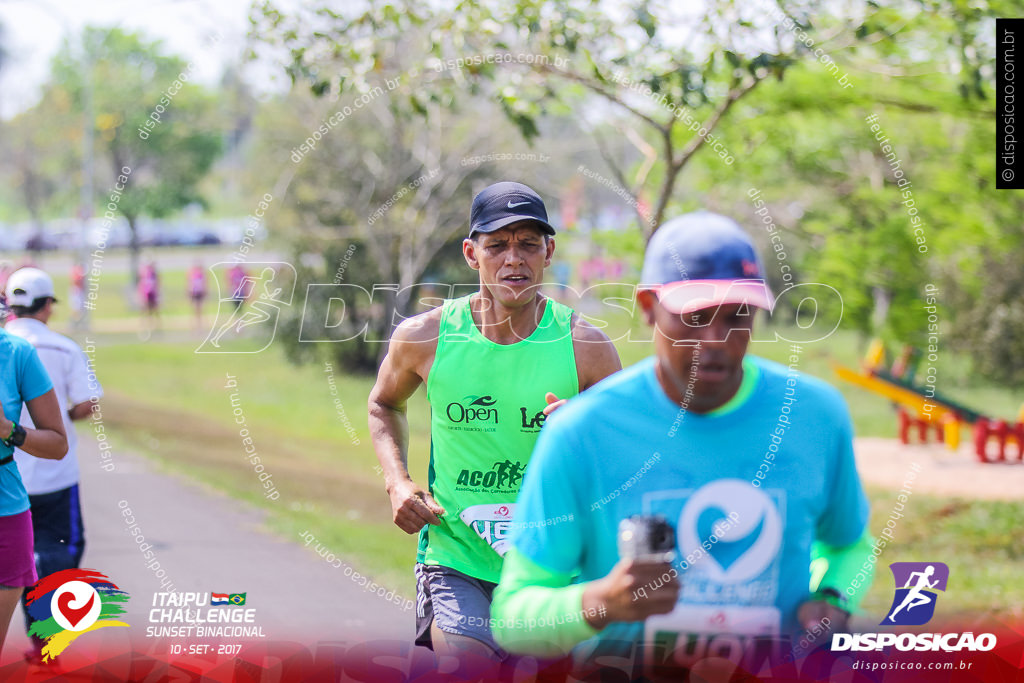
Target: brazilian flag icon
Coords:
[[237, 598]]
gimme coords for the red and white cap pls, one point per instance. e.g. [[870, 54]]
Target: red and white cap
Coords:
[[704, 260]]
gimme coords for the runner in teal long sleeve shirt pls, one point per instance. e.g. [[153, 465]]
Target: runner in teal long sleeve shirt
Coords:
[[749, 460]]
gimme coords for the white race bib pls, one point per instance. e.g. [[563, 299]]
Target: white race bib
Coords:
[[692, 632], [492, 522], [712, 619]]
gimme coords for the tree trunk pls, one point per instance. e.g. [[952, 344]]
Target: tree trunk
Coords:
[[133, 245], [882, 300], [33, 202]]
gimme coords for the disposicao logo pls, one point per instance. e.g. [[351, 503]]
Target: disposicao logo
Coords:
[[71, 602], [913, 605], [916, 583]]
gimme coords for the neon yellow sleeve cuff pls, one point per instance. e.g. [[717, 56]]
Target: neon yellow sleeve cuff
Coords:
[[537, 611], [847, 569]]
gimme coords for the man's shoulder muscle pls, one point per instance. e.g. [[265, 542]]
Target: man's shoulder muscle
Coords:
[[595, 352], [414, 341], [587, 332]]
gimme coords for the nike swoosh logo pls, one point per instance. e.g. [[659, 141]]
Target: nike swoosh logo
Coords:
[[512, 206]]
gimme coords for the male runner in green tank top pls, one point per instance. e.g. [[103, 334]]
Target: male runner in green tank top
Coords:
[[495, 363]]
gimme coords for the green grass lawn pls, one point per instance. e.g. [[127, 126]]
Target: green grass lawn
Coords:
[[326, 477], [979, 540], [174, 406]]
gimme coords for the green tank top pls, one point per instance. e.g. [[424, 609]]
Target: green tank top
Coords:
[[486, 402]]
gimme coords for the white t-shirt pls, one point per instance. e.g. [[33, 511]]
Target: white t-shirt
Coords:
[[73, 383]]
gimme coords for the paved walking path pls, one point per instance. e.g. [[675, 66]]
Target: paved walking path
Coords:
[[206, 542]]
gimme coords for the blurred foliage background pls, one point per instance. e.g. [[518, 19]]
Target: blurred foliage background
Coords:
[[623, 114]]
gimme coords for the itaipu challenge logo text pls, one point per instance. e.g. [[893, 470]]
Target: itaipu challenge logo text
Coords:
[[69, 603], [179, 615]]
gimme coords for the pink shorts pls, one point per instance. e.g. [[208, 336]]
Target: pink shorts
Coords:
[[18, 568]]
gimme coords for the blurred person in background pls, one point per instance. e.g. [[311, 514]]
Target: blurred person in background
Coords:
[[149, 296], [6, 268], [197, 291], [239, 284], [24, 384], [52, 485], [77, 295]]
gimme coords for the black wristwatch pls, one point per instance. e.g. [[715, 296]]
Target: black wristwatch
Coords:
[[17, 436]]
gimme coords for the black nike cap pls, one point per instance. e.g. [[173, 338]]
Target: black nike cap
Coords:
[[505, 203]]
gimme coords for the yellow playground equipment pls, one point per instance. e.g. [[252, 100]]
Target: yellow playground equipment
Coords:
[[922, 407]]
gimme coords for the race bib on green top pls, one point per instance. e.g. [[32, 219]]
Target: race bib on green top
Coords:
[[491, 523]]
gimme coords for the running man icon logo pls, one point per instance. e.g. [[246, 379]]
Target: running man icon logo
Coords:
[[251, 299], [916, 583]]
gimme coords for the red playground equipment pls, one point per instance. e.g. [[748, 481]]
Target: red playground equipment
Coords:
[[922, 408], [986, 431]]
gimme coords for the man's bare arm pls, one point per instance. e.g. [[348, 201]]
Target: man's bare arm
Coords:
[[405, 367], [596, 358], [80, 411]]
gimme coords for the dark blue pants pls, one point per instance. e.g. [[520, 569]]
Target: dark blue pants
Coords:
[[59, 537]]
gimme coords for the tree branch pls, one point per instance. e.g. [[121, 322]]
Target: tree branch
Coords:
[[603, 92], [675, 165]]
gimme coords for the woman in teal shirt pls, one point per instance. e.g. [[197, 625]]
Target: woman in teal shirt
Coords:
[[23, 380]]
